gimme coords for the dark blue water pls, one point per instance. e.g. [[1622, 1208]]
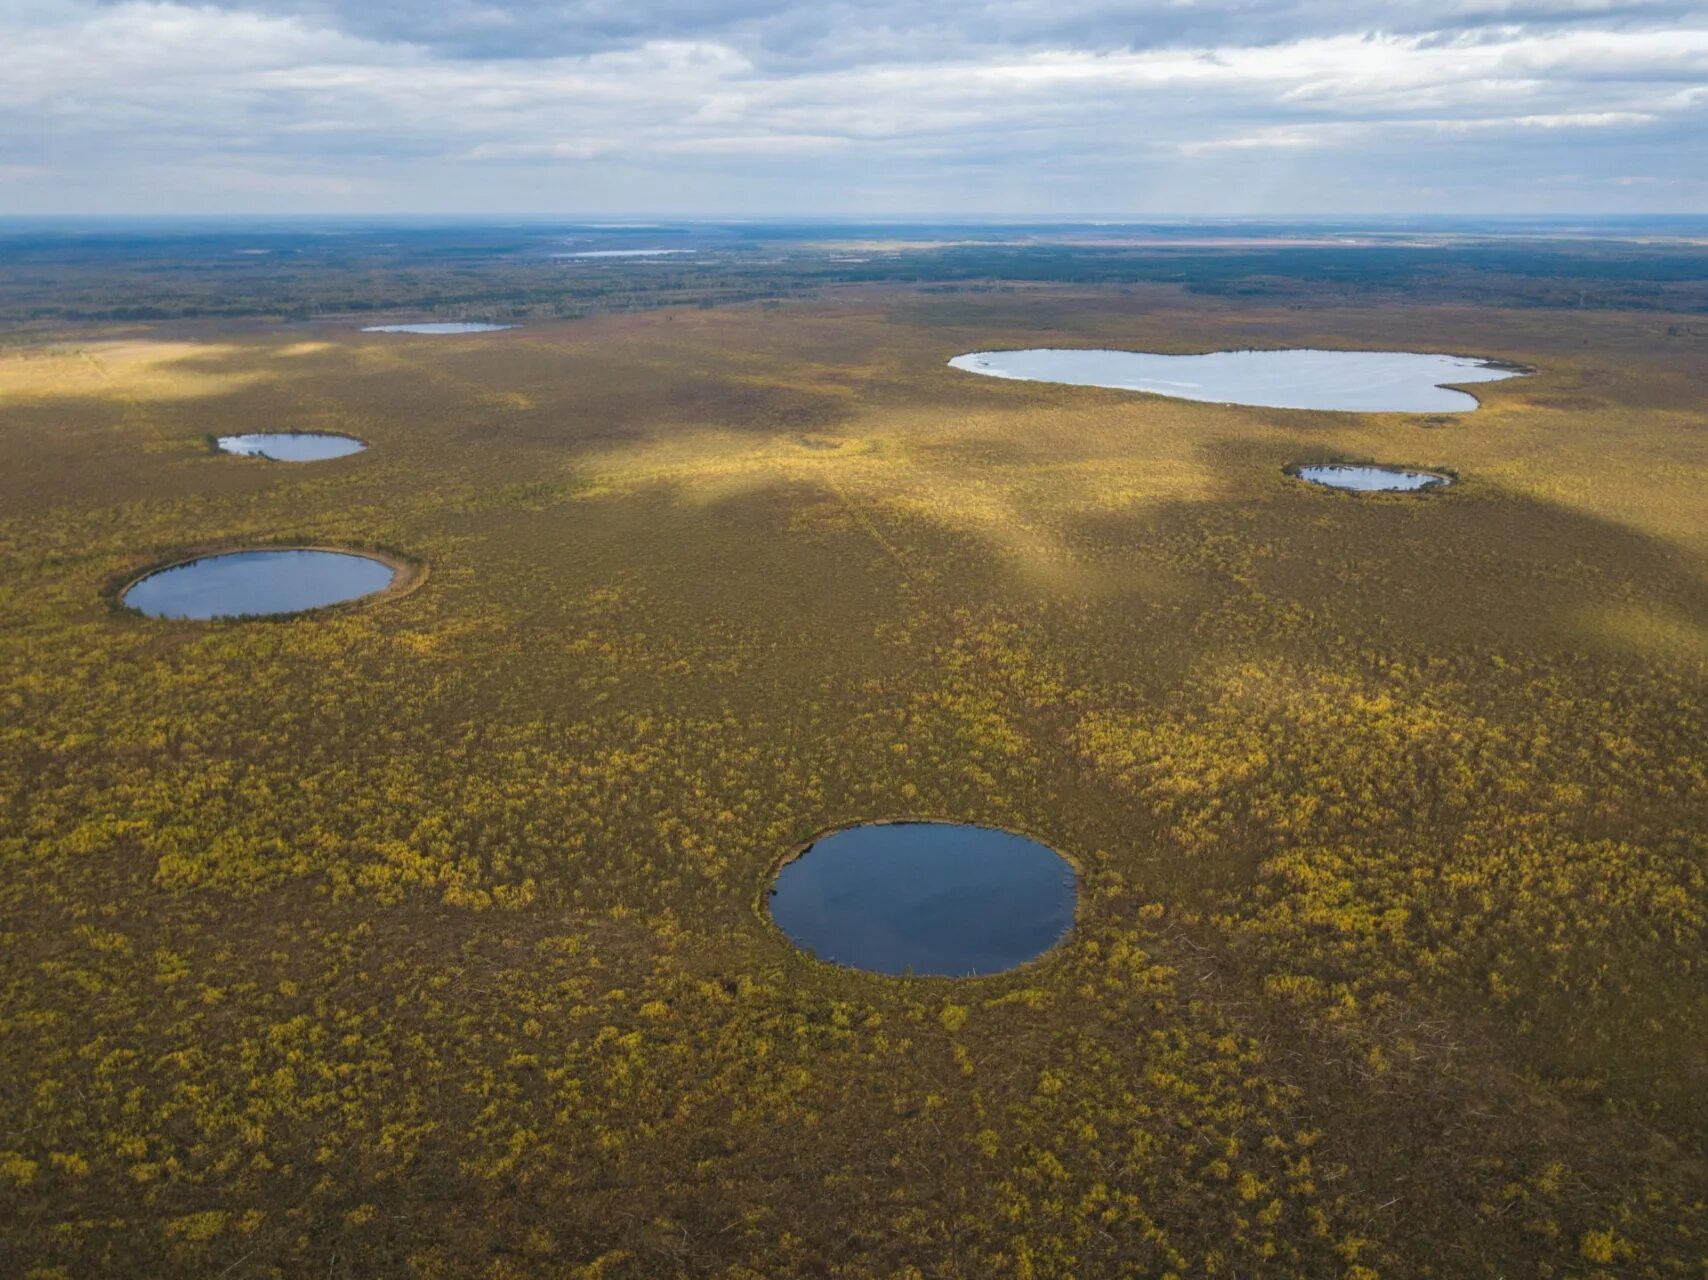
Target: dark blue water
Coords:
[[291, 446], [256, 582], [925, 898], [1370, 479]]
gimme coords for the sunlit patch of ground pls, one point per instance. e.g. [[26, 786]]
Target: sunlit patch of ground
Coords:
[[134, 370], [939, 468], [1651, 629], [509, 400]]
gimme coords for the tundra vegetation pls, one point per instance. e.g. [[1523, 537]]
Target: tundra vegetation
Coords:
[[425, 938]]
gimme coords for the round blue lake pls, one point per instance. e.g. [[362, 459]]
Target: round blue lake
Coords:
[[1300, 378], [437, 326], [1364, 479], [248, 583], [291, 446], [935, 898]]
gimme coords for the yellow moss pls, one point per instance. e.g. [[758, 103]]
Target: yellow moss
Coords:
[[197, 1228], [16, 1169]]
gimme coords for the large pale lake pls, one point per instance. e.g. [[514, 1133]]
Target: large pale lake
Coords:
[[291, 446], [1367, 479], [925, 898], [1300, 378], [438, 327], [243, 583]]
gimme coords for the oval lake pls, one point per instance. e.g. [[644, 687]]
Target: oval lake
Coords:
[[1371, 479], [935, 898], [291, 446], [249, 583], [438, 327], [1300, 378]]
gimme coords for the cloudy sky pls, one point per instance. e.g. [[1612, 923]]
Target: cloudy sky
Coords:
[[862, 107]]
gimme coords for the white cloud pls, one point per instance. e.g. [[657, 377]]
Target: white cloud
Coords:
[[327, 112]]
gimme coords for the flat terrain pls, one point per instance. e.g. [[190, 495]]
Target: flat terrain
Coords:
[[426, 938]]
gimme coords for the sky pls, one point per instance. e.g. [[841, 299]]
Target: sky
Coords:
[[736, 108]]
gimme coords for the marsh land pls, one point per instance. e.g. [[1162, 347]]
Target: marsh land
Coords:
[[426, 936]]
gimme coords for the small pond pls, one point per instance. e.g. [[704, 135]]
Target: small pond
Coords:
[[934, 898], [1302, 378], [1371, 479], [291, 446], [438, 326], [241, 583]]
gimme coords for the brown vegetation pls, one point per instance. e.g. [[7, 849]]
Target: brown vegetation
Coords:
[[422, 939]]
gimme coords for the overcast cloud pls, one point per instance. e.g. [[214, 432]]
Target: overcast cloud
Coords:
[[760, 107]]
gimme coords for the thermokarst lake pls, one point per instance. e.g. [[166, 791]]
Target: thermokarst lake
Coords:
[[438, 327], [928, 898], [1297, 378], [249, 583], [1370, 479], [291, 446]]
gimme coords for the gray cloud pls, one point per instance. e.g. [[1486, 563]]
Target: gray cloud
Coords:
[[754, 105], [778, 33]]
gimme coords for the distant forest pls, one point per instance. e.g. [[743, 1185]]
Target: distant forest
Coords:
[[108, 272]]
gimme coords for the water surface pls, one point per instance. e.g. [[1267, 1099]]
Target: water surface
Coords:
[[445, 326], [622, 253], [242, 583], [925, 898], [1300, 378], [1365, 479], [291, 446]]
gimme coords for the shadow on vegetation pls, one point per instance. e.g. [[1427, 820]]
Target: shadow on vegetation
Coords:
[[422, 938]]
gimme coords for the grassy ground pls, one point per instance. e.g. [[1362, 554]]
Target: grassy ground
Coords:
[[425, 938]]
